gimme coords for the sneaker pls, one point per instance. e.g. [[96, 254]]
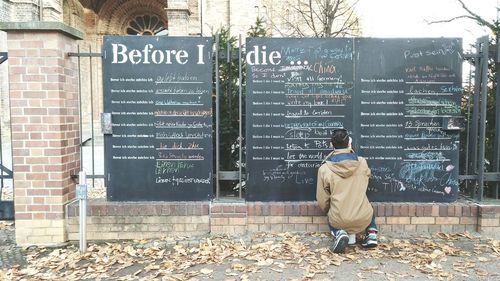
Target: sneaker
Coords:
[[340, 242], [370, 240]]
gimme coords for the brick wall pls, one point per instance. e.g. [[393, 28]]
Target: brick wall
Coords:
[[228, 218], [140, 220], [421, 218], [115, 220], [45, 145], [285, 216], [489, 220]]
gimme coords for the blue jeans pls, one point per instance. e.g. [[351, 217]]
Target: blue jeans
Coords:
[[371, 226]]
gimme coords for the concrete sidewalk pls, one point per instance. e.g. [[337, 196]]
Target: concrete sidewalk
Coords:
[[284, 256]]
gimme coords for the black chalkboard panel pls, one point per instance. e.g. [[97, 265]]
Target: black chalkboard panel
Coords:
[[158, 90], [298, 92], [392, 94], [404, 90]]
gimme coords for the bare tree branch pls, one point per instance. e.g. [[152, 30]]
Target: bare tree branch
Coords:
[[319, 18], [473, 16]]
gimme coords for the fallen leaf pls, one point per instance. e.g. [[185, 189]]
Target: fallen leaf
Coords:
[[266, 262], [481, 272], [206, 271], [360, 276]]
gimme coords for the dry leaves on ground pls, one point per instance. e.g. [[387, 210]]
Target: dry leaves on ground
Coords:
[[277, 253]]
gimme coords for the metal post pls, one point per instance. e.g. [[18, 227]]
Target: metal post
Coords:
[[201, 18], [467, 136], [229, 84], [92, 118], [81, 192], [496, 153], [473, 135], [217, 101], [1, 159], [80, 108], [240, 136], [482, 122], [468, 129]]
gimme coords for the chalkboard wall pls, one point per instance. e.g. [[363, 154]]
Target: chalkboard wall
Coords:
[[158, 91], [391, 94]]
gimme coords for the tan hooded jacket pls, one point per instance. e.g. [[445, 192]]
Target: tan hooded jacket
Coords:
[[341, 191]]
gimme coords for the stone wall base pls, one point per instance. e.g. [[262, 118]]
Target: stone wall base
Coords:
[[40, 232], [143, 220]]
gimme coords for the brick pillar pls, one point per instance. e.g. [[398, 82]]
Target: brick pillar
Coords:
[[43, 86]]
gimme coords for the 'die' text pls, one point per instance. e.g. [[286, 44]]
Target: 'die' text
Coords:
[[259, 56], [121, 54]]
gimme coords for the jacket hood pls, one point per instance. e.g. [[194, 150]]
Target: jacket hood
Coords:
[[343, 162]]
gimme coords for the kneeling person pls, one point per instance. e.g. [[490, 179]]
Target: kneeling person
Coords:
[[341, 193]]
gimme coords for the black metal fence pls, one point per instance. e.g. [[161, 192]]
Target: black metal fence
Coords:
[[481, 139], [480, 154], [6, 176]]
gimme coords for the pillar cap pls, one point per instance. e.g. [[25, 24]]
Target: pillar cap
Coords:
[[34, 26]]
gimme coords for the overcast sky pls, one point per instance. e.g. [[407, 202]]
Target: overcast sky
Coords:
[[407, 18]]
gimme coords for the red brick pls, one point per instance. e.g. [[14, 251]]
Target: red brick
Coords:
[[388, 210], [314, 210], [17, 69], [412, 210], [37, 176], [24, 216], [33, 69], [31, 192], [443, 210], [54, 216], [204, 210], [228, 209], [21, 208], [35, 111], [50, 53], [33, 44], [474, 210], [381, 210], [303, 209], [396, 210], [19, 120], [451, 211], [266, 210], [18, 103], [435, 210], [458, 210], [277, 209], [404, 210], [420, 211], [19, 86], [39, 216], [50, 86], [292, 210], [59, 208], [466, 211], [34, 78], [56, 192], [253, 209], [375, 208], [38, 208], [427, 210], [240, 209]]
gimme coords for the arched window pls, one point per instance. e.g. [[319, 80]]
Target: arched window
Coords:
[[146, 25]]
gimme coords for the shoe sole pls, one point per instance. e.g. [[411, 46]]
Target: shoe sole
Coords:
[[370, 245], [341, 244]]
